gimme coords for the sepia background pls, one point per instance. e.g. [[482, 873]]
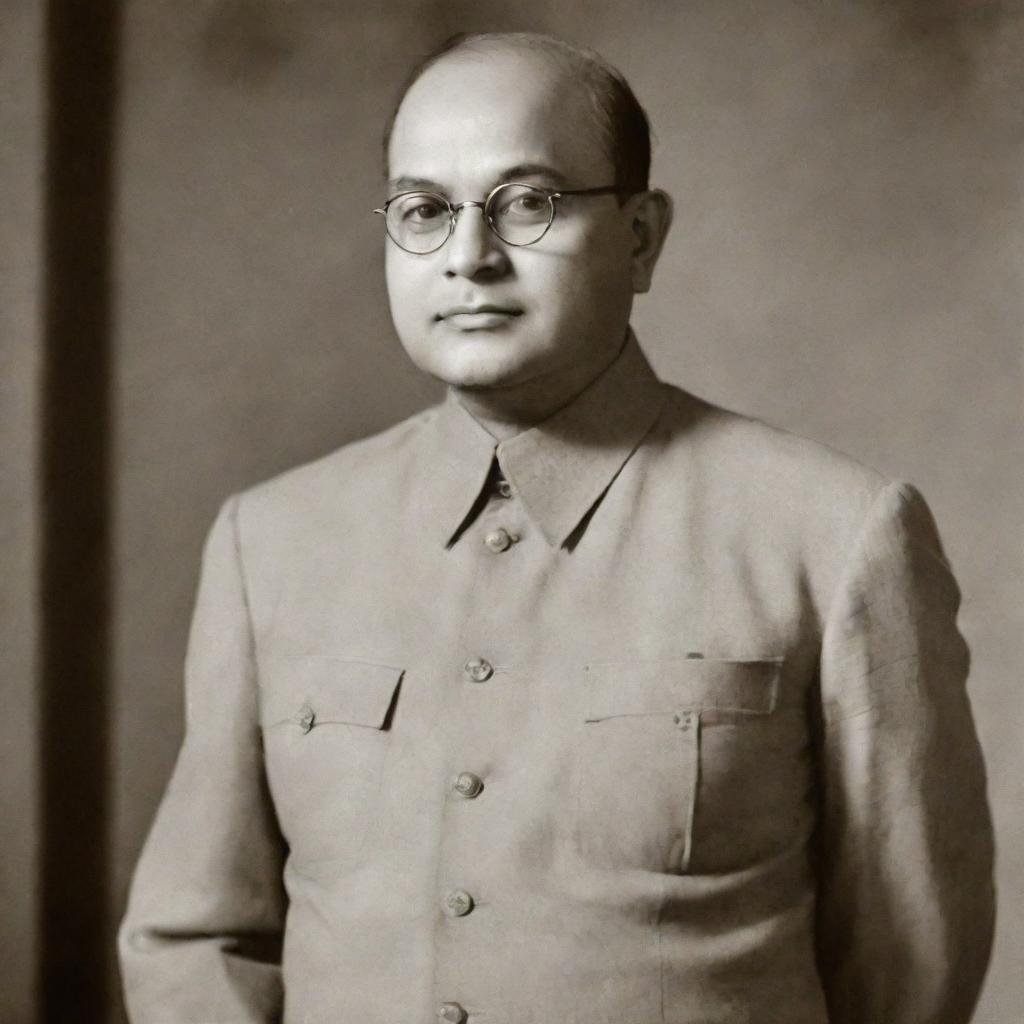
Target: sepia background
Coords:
[[191, 300]]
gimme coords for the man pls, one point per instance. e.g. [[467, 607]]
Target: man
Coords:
[[573, 700]]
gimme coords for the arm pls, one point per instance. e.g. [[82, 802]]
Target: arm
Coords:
[[906, 903], [201, 939]]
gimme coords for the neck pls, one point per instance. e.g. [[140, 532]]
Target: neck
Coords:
[[506, 411]]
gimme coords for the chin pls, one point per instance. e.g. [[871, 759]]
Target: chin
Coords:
[[476, 365], [477, 376]]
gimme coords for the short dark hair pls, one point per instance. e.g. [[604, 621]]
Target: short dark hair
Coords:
[[620, 120]]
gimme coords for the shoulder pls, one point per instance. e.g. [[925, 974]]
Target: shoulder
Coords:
[[784, 495], [785, 500], [356, 473], [743, 444]]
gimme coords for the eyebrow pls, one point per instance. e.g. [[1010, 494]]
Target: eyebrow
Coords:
[[519, 171]]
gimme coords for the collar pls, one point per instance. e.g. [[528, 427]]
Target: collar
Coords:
[[558, 468]]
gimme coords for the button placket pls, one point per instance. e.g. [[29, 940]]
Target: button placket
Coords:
[[497, 530]]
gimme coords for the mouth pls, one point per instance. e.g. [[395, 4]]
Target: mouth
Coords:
[[484, 315]]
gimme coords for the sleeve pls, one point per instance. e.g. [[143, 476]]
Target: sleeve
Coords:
[[906, 900], [201, 939]]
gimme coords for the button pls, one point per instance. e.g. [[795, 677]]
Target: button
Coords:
[[468, 785], [452, 1013], [504, 488], [478, 669], [306, 717], [458, 903], [498, 540]]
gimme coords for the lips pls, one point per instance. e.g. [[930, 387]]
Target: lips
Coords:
[[483, 308]]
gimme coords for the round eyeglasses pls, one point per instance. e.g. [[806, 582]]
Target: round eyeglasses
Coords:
[[421, 222]]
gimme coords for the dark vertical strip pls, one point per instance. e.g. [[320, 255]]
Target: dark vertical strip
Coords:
[[81, 79]]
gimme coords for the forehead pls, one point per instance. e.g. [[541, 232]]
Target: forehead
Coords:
[[474, 114]]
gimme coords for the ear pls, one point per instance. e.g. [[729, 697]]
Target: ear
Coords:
[[650, 217]]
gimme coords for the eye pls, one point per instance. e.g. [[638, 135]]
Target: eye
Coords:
[[530, 203], [424, 211], [523, 204], [419, 211]]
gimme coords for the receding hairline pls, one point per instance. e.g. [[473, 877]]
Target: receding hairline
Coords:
[[565, 55], [594, 76], [476, 51]]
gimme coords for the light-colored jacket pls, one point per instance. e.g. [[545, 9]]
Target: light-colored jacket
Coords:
[[658, 717]]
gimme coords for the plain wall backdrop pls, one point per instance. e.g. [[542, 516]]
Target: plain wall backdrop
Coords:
[[21, 161], [845, 263]]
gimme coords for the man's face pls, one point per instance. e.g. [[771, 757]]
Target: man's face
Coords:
[[471, 122]]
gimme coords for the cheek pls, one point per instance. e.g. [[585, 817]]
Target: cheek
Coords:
[[593, 269], [587, 288], [406, 292]]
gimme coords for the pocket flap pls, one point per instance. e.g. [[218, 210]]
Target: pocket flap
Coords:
[[312, 690], [745, 687]]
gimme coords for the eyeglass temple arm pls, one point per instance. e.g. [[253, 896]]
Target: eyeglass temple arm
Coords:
[[601, 190]]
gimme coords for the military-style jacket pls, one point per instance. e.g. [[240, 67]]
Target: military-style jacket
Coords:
[[651, 714]]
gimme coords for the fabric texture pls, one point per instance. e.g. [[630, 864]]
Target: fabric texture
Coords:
[[651, 714]]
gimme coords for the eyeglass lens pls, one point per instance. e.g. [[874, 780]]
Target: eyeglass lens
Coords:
[[518, 214]]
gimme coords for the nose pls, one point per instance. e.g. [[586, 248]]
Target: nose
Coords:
[[474, 251]]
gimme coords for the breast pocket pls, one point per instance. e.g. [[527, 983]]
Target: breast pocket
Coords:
[[325, 736], [679, 764]]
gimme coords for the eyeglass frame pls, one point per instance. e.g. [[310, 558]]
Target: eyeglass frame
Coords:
[[455, 208]]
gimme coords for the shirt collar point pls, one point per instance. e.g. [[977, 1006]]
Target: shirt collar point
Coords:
[[560, 468]]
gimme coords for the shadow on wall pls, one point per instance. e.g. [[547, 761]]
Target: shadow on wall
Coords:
[[75, 591]]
